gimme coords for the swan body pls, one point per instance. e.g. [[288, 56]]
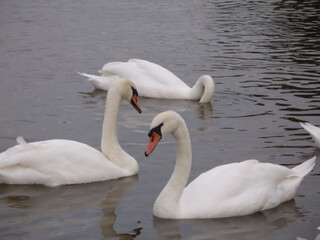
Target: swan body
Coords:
[[228, 190], [58, 161], [153, 80], [313, 131]]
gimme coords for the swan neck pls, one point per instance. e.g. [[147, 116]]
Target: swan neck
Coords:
[[110, 146], [109, 128], [203, 89], [171, 194], [183, 159]]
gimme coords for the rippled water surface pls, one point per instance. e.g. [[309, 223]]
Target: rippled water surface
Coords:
[[264, 57]]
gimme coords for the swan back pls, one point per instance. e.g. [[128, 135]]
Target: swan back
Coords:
[[138, 69], [152, 80]]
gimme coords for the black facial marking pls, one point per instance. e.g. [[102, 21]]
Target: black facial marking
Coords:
[[134, 91], [157, 130], [135, 94]]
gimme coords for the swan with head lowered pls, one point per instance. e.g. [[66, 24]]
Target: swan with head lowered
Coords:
[[58, 162], [153, 80], [228, 190]]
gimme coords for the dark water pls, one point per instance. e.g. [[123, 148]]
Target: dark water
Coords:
[[264, 57]]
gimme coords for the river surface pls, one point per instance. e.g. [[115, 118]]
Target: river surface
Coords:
[[264, 57]]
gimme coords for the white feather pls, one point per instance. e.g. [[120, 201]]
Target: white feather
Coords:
[[228, 190], [313, 131], [152, 80], [57, 162]]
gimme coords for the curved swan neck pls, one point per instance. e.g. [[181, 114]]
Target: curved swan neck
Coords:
[[109, 128], [110, 146], [203, 89], [170, 195]]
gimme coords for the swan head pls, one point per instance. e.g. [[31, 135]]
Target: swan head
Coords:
[[128, 91], [162, 124]]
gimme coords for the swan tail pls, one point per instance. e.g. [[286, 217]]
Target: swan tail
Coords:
[[288, 186], [313, 131], [99, 82], [308, 127], [304, 168], [12, 156], [7, 161], [20, 140], [90, 77]]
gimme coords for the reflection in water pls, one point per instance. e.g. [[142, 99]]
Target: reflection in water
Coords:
[[257, 226], [108, 207], [263, 55], [89, 97], [65, 208], [205, 110]]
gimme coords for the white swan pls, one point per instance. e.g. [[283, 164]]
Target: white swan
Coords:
[[57, 162], [313, 131], [153, 81], [228, 190]]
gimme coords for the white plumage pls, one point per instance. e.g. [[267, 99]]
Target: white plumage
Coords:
[[313, 131], [228, 190], [57, 162], [152, 80]]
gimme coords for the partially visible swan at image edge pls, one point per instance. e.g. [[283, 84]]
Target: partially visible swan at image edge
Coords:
[[57, 162], [313, 131], [228, 190], [153, 80]]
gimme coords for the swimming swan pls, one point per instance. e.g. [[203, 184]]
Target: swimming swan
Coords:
[[57, 162], [228, 190], [153, 80], [313, 131]]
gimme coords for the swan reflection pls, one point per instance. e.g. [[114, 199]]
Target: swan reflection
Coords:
[[150, 107], [256, 226], [52, 212]]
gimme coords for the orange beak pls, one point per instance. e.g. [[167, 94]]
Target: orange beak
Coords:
[[154, 139], [135, 104]]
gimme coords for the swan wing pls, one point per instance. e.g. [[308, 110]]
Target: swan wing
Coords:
[[55, 162], [151, 80], [142, 70], [157, 72], [239, 189]]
